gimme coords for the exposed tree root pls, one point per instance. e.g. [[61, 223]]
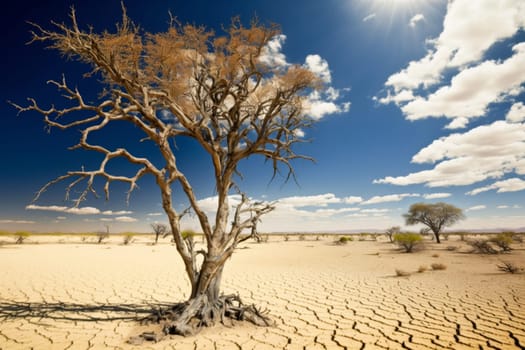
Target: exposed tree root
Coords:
[[190, 317]]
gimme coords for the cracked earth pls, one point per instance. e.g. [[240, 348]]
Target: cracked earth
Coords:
[[321, 296]]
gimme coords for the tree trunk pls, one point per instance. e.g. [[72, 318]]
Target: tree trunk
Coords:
[[436, 234]]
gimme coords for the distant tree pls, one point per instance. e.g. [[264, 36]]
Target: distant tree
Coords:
[[222, 92], [159, 230], [391, 231], [436, 216]]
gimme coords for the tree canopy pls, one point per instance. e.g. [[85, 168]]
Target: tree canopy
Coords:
[[436, 216]]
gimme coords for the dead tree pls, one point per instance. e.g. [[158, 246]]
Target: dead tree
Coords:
[[159, 230], [185, 82]]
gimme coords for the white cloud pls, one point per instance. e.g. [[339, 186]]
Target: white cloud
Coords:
[[121, 212], [321, 200], [502, 206], [125, 219], [436, 195], [375, 211], [459, 49], [485, 152], [76, 211], [390, 198], [477, 207], [516, 113], [369, 17], [319, 66], [416, 19], [352, 199], [9, 221], [471, 91], [509, 185], [61, 218], [319, 105], [155, 214], [272, 55]]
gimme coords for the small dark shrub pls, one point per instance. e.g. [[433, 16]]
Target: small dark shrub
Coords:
[[345, 240], [408, 241], [482, 246], [102, 236], [128, 238], [438, 266], [402, 273], [21, 236], [422, 269], [509, 267]]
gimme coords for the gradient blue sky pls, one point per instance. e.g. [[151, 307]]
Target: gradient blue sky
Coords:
[[430, 107]]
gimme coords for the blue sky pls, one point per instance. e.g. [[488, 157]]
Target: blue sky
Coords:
[[426, 103]]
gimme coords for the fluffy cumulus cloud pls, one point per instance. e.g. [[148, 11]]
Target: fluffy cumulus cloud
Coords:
[[272, 54], [486, 152], [318, 104], [420, 89], [416, 19], [516, 113], [471, 91], [509, 185]]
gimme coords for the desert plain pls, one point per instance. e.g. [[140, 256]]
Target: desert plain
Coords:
[[64, 293]]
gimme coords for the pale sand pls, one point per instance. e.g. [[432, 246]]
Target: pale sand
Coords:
[[322, 296]]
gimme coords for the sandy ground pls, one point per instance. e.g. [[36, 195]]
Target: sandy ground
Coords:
[[77, 295]]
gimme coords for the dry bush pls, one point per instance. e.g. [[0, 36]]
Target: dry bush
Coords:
[[102, 236], [482, 246], [509, 267], [344, 240], [21, 236], [438, 266], [503, 240], [452, 248], [422, 269], [408, 241], [402, 273], [128, 238], [436, 255]]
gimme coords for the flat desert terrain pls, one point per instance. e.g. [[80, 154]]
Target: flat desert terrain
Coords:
[[80, 295]]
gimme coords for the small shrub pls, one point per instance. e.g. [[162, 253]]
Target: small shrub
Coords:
[[408, 241], [286, 238], [128, 238], [452, 248], [21, 236], [302, 237], [438, 266], [503, 241], [402, 273], [345, 240], [102, 236], [482, 246], [436, 255], [509, 267], [422, 269]]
